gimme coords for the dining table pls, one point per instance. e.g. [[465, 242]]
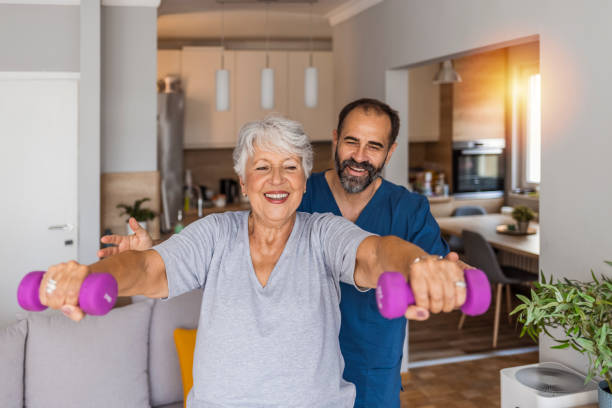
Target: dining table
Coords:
[[486, 225]]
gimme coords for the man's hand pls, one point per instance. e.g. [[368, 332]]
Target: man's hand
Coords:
[[139, 241], [434, 285]]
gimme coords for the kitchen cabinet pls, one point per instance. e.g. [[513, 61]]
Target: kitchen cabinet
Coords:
[[248, 84], [479, 101], [423, 105], [168, 63], [205, 127], [319, 122]]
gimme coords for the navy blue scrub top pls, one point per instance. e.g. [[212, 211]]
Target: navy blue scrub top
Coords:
[[372, 345]]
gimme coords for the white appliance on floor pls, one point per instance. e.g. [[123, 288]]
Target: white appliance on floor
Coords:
[[545, 385]]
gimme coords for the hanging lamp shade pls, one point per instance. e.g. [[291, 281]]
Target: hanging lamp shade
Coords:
[[222, 89], [311, 85], [446, 74], [267, 88]]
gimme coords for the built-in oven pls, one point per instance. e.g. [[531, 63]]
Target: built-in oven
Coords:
[[479, 167]]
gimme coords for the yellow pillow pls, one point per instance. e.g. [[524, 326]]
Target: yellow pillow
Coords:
[[185, 340]]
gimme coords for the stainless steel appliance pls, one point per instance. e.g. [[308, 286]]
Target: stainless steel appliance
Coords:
[[229, 187], [170, 114], [479, 168]]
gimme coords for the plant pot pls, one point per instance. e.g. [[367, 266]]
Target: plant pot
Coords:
[[522, 226], [604, 395], [128, 229]]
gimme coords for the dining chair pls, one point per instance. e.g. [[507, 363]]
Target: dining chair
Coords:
[[456, 243], [479, 254]]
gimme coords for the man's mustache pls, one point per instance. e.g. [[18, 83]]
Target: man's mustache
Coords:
[[357, 165]]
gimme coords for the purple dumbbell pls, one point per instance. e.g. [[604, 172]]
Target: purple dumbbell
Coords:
[[97, 296], [394, 295]]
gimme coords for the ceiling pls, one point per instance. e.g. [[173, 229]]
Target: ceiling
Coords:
[[319, 7], [201, 19]]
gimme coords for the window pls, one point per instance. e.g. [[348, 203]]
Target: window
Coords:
[[533, 130]]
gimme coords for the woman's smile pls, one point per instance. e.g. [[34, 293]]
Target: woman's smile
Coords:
[[276, 197]]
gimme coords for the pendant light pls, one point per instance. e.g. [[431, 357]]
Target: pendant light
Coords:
[[222, 75], [447, 75], [267, 74], [311, 76]]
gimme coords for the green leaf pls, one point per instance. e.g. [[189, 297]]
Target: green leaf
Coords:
[[523, 299], [594, 278], [603, 335], [518, 309], [608, 262], [561, 346], [585, 343]]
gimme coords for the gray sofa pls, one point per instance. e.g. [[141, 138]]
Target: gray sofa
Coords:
[[124, 359]]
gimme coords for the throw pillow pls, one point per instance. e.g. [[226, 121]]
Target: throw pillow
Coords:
[[12, 346], [100, 361], [164, 370], [185, 346]]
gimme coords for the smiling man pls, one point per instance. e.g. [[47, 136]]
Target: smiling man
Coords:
[[363, 144]]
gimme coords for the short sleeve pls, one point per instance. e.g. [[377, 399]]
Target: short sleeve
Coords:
[[340, 239], [425, 231], [187, 255]]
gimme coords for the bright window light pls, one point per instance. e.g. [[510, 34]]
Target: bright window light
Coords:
[[534, 130]]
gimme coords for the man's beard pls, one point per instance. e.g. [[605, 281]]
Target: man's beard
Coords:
[[356, 184]]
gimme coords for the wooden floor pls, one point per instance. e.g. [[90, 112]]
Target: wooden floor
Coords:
[[438, 336], [470, 384]]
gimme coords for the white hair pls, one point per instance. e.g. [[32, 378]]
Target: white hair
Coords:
[[275, 134]]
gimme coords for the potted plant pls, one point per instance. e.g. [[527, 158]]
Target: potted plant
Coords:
[[583, 311], [142, 215], [522, 215]]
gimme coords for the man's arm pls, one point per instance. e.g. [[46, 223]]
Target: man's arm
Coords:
[[433, 280]]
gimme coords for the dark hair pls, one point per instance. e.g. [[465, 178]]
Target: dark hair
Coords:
[[380, 108]]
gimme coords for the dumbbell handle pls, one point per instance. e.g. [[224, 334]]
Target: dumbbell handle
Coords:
[[394, 295], [97, 295]]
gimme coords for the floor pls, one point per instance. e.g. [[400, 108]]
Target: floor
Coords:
[[438, 336], [470, 384], [464, 384]]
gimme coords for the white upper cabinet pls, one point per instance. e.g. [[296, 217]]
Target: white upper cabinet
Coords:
[[318, 122], [168, 63], [423, 105], [205, 127], [248, 85]]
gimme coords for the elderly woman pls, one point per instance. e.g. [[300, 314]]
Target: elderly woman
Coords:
[[270, 316]]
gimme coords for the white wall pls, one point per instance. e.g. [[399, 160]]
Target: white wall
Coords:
[[576, 87], [115, 46], [129, 93], [39, 38], [89, 132]]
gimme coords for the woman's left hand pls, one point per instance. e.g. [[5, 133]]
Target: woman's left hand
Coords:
[[434, 283]]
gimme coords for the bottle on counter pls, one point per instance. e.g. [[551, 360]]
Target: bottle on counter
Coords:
[[179, 225]]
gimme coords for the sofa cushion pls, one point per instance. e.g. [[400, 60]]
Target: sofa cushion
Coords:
[[100, 361], [185, 340], [12, 346], [164, 369]]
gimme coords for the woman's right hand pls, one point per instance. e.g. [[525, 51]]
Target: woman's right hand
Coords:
[[63, 294], [140, 240]]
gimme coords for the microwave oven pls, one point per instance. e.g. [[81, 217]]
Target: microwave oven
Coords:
[[479, 166]]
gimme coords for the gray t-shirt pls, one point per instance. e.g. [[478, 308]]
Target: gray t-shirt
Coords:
[[272, 346]]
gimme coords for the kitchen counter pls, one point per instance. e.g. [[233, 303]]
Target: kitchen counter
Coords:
[[192, 215], [443, 206]]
